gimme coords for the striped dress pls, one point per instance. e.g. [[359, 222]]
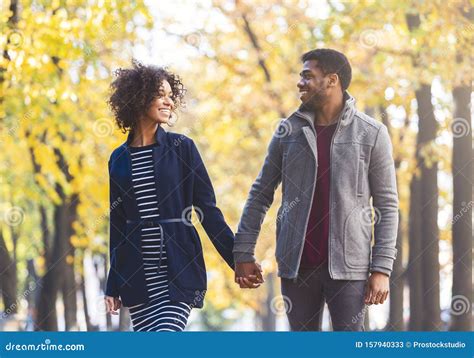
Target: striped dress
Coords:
[[159, 314]]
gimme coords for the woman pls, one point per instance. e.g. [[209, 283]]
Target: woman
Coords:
[[156, 177]]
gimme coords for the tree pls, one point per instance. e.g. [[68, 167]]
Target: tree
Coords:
[[427, 128], [462, 180]]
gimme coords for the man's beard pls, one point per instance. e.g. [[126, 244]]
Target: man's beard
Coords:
[[316, 100]]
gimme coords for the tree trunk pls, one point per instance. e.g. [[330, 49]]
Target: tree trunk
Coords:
[[58, 270], [69, 297], [397, 281], [89, 326], [461, 304], [8, 279], [427, 127], [462, 211], [268, 318], [52, 279], [395, 321], [69, 281], [46, 234], [45, 231], [414, 256], [31, 293], [429, 213]]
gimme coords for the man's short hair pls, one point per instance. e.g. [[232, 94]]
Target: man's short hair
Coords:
[[331, 61]]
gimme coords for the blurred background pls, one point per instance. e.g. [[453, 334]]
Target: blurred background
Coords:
[[240, 61]]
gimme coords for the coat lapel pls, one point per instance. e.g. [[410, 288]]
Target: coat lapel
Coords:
[[126, 163], [158, 151], [311, 139]]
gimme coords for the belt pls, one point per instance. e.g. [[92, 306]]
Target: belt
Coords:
[[158, 222]]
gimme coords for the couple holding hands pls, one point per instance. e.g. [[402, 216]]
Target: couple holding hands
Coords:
[[336, 168]]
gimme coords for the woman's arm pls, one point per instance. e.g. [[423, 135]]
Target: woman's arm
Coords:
[[204, 198], [117, 234]]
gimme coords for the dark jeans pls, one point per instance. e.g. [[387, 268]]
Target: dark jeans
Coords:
[[312, 288]]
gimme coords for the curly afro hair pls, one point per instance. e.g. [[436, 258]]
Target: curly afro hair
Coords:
[[135, 88]]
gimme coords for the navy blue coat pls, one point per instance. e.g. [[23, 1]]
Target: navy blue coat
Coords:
[[182, 182]]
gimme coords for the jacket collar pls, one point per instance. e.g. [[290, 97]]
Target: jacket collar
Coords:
[[346, 117], [159, 137]]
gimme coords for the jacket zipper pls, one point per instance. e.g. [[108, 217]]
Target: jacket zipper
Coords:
[[330, 196], [314, 189], [312, 195]]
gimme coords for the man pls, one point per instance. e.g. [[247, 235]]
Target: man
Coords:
[[332, 160]]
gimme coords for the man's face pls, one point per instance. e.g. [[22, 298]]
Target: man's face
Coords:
[[313, 85]]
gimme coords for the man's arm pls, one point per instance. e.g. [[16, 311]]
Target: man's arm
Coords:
[[383, 188], [258, 202]]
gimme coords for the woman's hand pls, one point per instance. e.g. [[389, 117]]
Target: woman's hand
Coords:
[[248, 274], [112, 304]]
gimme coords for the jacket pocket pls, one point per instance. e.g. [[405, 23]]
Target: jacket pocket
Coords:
[[120, 255], [279, 239], [360, 177], [131, 275], [293, 157], [357, 238], [186, 267], [278, 221], [129, 259], [184, 245]]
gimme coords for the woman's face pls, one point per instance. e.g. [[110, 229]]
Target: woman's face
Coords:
[[161, 107]]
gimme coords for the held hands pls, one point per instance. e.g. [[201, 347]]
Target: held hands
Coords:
[[112, 304], [377, 288], [248, 274]]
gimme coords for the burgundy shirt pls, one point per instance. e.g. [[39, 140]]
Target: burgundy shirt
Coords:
[[315, 251]]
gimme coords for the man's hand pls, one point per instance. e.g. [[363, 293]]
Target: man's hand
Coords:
[[377, 288], [248, 274], [112, 304]]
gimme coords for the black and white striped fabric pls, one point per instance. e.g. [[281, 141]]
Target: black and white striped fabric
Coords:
[[159, 314]]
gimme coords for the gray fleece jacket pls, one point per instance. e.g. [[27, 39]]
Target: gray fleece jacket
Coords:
[[362, 183]]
